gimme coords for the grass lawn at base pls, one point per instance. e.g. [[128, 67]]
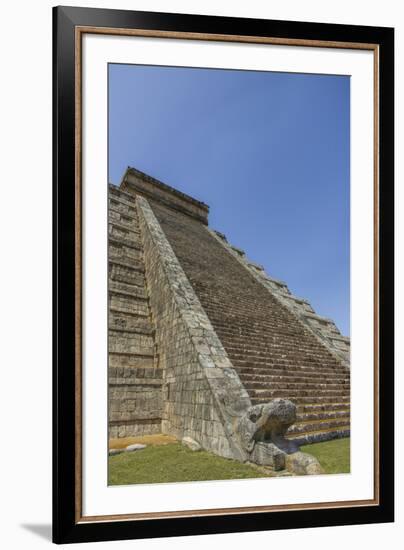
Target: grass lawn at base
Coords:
[[163, 461], [334, 455], [174, 462]]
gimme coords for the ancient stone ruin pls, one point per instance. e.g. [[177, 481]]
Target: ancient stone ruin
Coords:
[[203, 344]]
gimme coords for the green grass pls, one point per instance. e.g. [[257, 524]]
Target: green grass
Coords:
[[174, 462], [334, 455]]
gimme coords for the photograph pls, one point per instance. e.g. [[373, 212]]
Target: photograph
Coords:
[[228, 274]]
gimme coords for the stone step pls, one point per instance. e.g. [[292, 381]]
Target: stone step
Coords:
[[132, 229], [263, 367], [135, 372], [318, 407], [302, 400], [254, 387], [131, 330], [131, 264], [137, 314], [129, 348], [320, 435], [297, 392], [235, 326], [265, 345], [267, 340], [124, 360], [313, 426], [274, 358], [263, 350], [292, 377], [120, 242], [239, 335], [124, 321], [266, 348], [232, 328], [129, 220], [127, 303], [130, 341], [119, 246], [323, 414], [130, 288], [136, 292], [139, 383], [125, 275], [306, 372], [121, 199], [123, 253], [122, 207]]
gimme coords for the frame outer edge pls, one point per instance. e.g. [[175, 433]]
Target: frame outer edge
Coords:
[[66, 527]]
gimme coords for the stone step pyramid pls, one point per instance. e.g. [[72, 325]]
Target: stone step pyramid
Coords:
[[135, 381], [199, 334]]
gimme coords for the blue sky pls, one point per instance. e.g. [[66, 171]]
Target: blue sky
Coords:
[[269, 153]]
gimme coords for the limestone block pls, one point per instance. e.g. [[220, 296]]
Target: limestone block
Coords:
[[267, 454], [191, 443], [303, 464], [135, 447]]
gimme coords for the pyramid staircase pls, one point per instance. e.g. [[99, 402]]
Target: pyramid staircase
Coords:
[[274, 353], [135, 381]]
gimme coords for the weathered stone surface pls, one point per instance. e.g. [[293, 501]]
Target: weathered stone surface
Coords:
[[135, 447], [113, 452], [191, 444], [268, 454], [268, 423], [203, 395], [135, 382], [303, 464]]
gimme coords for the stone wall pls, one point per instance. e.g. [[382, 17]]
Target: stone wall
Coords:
[[202, 394], [135, 378]]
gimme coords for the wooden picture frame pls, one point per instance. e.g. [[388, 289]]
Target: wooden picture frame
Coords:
[[70, 25]]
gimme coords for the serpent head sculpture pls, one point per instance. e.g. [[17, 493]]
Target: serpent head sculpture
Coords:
[[268, 423]]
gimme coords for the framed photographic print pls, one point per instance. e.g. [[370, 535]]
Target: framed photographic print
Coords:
[[223, 274]]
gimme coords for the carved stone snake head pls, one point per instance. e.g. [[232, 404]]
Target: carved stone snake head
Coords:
[[268, 422]]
